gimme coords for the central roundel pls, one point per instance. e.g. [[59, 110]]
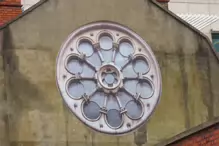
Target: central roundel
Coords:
[[109, 78]]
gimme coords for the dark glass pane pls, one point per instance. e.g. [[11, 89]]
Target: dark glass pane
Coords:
[[114, 118], [74, 66], [126, 49], [106, 43], [91, 110], [140, 66], [75, 89], [134, 109], [86, 48], [145, 89], [215, 41]]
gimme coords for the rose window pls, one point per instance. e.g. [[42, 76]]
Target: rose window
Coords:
[[108, 77]]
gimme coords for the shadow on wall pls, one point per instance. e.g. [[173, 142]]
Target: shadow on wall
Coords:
[[20, 94], [19, 90]]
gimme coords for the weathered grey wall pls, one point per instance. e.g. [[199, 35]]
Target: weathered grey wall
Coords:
[[34, 114], [3, 107]]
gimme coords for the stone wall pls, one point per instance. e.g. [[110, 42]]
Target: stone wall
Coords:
[[34, 114]]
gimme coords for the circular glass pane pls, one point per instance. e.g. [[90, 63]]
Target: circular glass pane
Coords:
[[74, 66], [144, 89], [114, 118], [126, 49], [106, 42], [140, 66], [75, 89], [134, 109], [85, 48], [109, 78], [91, 110]]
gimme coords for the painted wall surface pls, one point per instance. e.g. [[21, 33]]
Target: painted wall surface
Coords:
[[209, 7], [31, 109]]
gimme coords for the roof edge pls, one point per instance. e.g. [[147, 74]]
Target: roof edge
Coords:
[[23, 14], [187, 25], [189, 132]]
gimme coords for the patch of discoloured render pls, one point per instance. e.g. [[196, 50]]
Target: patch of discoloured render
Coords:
[[4, 139], [170, 113], [214, 72]]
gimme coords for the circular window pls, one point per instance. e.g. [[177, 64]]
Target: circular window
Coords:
[[109, 77]]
